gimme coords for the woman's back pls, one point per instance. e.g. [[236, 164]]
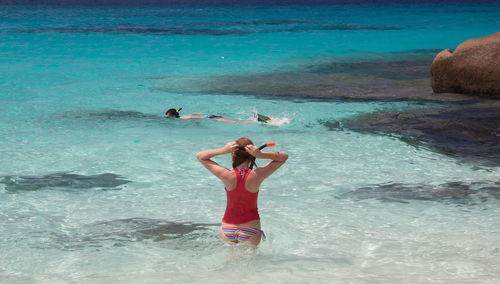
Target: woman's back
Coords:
[[241, 206]]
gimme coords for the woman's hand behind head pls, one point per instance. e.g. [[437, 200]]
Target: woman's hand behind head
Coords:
[[230, 147], [253, 150]]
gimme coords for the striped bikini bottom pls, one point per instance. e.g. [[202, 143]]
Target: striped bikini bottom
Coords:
[[237, 234]]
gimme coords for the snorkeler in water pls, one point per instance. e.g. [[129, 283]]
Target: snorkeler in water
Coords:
[[174, 113]]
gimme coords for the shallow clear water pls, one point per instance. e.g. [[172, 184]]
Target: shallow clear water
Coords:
[[97, 187]]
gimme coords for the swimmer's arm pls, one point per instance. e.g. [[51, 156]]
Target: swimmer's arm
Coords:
[[216, 169], [198, 115]]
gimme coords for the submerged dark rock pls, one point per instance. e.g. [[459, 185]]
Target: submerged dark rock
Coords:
[[414, 66], [394, 77], [452, 192], [111, 114], [120, 232], [134, 229], [470, 133], [62, 180]]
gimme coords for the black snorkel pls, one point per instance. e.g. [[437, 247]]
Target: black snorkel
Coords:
[[260, 148], [270, 144]]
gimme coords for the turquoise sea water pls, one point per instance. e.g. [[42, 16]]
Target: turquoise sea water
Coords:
[[96, 187]]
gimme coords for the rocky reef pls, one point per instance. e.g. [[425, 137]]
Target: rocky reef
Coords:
[[469, 132]]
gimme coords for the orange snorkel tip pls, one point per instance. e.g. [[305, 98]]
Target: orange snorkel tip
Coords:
[[270, 144]]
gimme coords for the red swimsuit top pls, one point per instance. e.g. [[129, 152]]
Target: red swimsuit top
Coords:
[[241, 204]]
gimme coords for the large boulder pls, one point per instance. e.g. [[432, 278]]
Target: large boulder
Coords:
[[473, 68]]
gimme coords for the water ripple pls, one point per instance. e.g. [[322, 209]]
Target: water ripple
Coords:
[[201, 28]]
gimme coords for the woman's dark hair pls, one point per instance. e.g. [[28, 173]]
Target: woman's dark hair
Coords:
[[172, 112], [241, 155]]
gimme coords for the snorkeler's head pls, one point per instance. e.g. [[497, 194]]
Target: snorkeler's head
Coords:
[[172, 113], [241, 156]]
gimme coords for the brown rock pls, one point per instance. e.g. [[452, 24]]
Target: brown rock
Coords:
[[473, 68]]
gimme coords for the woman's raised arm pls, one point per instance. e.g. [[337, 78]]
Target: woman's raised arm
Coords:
[[278, 159], [219, 171]]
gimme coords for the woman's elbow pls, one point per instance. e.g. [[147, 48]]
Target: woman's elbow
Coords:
[[283, 156], [199, 156]]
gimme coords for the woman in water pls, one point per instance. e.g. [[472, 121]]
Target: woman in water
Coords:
[[241, 221]]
